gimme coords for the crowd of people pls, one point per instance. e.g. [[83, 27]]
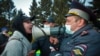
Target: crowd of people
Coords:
[[80, 37]]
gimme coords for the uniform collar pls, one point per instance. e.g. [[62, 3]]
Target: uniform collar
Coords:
[[85, 28]]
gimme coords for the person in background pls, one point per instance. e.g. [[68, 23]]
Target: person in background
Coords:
[[84, 39], [44, 43], [3, 38], [49, 22], [19, 44]]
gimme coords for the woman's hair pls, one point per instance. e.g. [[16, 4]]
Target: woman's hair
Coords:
[[18, 25]]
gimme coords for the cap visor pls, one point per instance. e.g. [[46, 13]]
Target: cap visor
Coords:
[[69, 15]]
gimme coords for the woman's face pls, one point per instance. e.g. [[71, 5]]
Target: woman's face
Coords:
[[28, 26]]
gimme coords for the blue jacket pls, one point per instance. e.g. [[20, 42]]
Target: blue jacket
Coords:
[[84, 42]]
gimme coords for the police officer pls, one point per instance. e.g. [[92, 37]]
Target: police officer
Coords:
[[84, 39]]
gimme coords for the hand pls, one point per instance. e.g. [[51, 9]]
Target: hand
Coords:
[[53, 40], [52, 48], [31, 53]]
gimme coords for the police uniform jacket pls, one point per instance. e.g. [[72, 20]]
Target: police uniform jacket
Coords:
[[84, 42]]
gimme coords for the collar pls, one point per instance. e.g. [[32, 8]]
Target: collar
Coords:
[[81, 30]]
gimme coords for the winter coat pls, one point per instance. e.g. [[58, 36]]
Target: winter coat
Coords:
[[17, 45], [43, 45], [84, 42], [3, 41]]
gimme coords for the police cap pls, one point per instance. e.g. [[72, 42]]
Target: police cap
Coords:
[[78, 9]]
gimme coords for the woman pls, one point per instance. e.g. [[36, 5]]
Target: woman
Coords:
[[19, 43]]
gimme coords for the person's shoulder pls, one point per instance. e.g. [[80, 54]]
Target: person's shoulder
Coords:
[[94, 32], [2, 37], [13, 43], [90, 33]]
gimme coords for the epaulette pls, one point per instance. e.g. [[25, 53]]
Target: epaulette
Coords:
[[84, 33]]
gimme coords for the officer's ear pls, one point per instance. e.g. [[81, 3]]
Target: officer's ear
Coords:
[[81, 22]]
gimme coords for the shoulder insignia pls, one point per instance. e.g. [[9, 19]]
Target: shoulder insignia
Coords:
[[84, 33], [79, 50]]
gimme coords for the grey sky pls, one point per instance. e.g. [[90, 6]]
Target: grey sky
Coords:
[[24, 5]]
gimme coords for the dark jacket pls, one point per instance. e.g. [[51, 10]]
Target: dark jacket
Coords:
[[84, 42], [43, 45], [3, 41]]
